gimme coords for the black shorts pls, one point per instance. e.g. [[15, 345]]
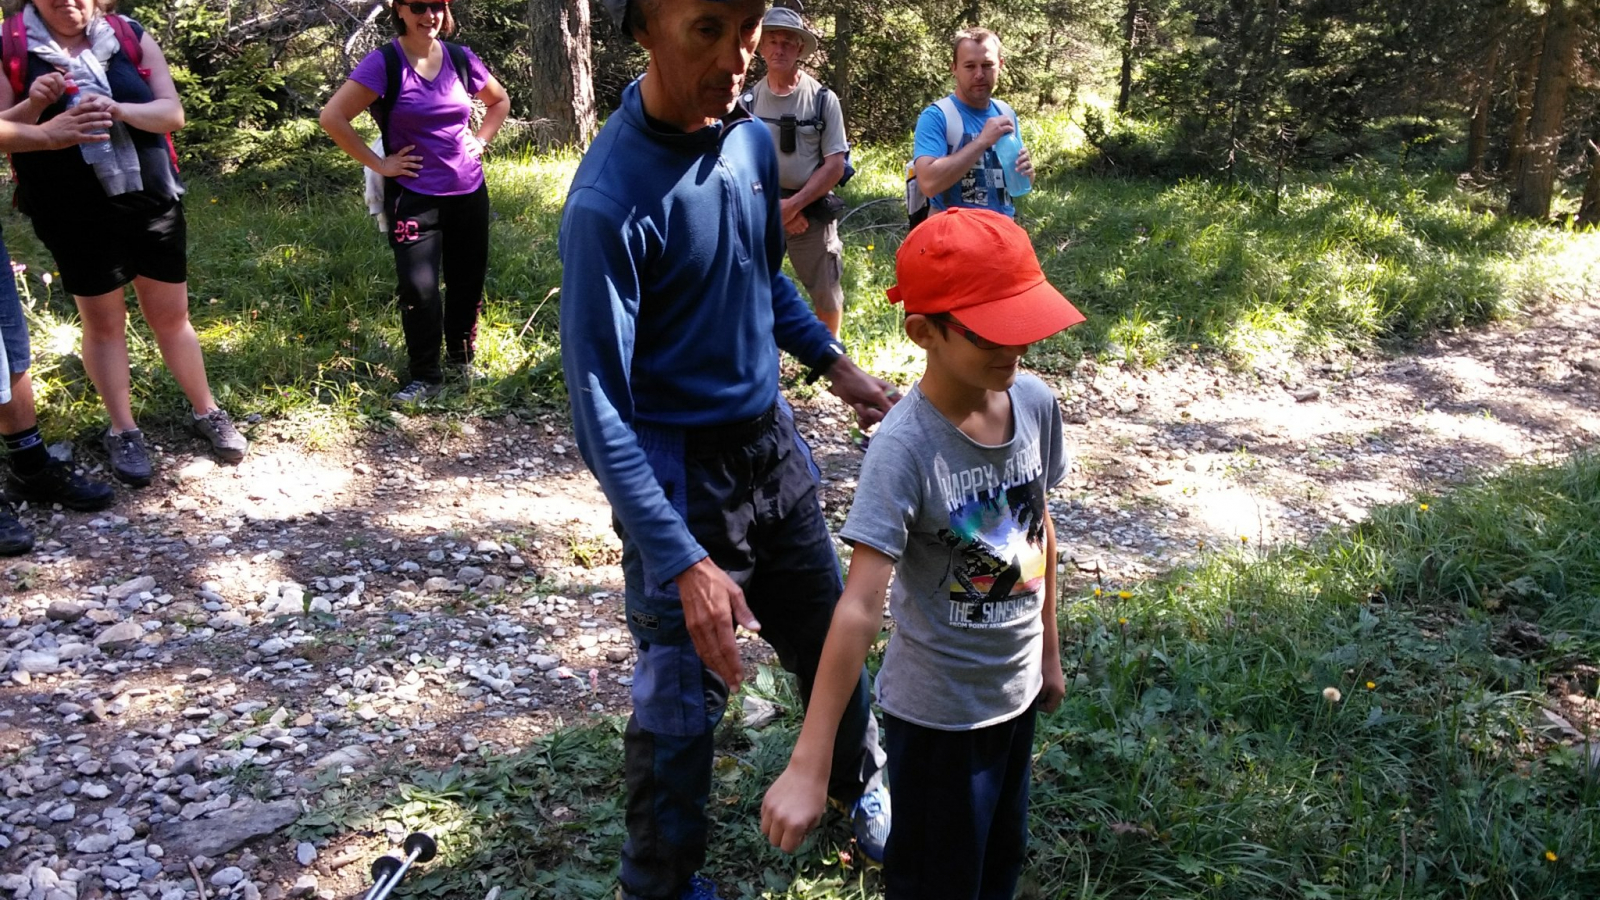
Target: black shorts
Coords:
[[104, 251]]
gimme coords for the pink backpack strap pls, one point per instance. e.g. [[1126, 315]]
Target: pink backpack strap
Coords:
[[130, 43], [14, 51], [134, 51]]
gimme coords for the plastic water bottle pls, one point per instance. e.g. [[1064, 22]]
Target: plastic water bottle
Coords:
[[95, 152], [1008, 148]]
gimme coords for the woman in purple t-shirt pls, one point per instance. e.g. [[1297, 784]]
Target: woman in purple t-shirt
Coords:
[[434, 194]]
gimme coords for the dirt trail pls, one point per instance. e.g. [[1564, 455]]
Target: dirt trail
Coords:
[[411, 597]]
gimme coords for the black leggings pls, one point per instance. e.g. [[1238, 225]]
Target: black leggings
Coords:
[[428, 234]]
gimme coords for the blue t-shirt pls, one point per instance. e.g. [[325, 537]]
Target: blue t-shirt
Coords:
[[984, 186]]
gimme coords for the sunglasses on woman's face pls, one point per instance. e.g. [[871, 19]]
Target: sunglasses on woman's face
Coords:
[[418, 9]]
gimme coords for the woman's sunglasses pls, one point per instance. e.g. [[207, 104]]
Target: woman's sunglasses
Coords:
[[418, 9]]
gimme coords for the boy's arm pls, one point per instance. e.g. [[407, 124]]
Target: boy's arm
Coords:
[[1055, 682], [794, 803]]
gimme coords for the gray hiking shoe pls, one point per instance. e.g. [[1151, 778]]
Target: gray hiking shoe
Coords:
[[417, 391], [130, 459], [226, 441]]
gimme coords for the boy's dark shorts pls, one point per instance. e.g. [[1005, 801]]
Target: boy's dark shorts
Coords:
[[107, 253]]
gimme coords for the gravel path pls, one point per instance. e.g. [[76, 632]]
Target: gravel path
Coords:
[[178, 674]]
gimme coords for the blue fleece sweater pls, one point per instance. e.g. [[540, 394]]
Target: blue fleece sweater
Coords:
[[673, 304]]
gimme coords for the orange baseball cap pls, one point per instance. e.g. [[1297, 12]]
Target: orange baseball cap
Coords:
[[979, 265]]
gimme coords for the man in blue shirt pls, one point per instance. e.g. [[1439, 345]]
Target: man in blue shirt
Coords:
[[674, 310], [955, 161]]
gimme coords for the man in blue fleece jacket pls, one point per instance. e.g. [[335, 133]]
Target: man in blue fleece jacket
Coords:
[[673, 312]]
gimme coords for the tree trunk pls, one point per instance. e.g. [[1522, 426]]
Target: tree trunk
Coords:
[[1130, 33], [971, 11], [1526, 80], [843, 37], [563, 86], [1533, 182], [1589, 209], [1478, 136]]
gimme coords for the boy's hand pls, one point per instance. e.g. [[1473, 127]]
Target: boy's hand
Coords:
[[711, 603], [1025, 164], [793, 806], [1055, 684]]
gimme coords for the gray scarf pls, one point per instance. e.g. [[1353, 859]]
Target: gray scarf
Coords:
[[120, 173]]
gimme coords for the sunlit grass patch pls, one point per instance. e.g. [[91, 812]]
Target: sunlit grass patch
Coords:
[[1363, 717]]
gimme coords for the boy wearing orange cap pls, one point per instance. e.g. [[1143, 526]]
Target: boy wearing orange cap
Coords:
[[951, 501]]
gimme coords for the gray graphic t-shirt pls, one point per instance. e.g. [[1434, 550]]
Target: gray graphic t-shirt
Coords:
[[965, 524]]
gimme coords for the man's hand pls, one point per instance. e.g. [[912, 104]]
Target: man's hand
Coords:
[[793, 806], [47, 89], [1055, 684], [794, 216], [1025, 164], [870, 397], [994, 129], [401, 164], [711, 604], [79, 125]]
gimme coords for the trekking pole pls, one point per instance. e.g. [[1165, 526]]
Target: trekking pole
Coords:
[[418, 847]]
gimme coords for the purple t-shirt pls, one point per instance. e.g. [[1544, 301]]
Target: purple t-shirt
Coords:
[[432, 115]]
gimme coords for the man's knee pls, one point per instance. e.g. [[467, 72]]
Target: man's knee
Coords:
[[674, 693]]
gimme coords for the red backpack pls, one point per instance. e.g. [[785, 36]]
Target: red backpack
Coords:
[[14, 54]]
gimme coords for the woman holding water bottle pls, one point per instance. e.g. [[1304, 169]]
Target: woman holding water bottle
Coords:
[[436, 203], [111, 213]]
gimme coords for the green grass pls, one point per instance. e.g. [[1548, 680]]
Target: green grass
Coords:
[[292, 284], [1197, 754]]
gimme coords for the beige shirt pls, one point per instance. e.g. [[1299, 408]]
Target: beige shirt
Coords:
[[812, 145]]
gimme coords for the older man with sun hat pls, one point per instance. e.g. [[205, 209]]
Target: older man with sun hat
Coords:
[[807, 125]]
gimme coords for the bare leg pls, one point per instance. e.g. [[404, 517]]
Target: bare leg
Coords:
[[166, 309], [105, 353], [833, 318], [19, 414]]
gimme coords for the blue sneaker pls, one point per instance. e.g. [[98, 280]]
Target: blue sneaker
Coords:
[[870, 817], [700, 889]]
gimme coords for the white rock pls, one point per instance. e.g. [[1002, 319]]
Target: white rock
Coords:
[[305, 853], [132, 586], [119, 636], [38, 662], [228, 877]]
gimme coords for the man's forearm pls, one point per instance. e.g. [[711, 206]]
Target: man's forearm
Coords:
[[937, 174]]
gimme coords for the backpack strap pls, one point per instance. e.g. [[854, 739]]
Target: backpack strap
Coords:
[[131, 47], [391, 90], [820, 120], [952, 121], [458, 59], [14, 51]]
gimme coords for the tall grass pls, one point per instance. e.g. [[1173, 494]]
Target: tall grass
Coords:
[[1361, 718], [292, 284]]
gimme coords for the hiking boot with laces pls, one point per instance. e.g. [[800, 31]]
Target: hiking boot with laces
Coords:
[[130, 459], [226, 442], [870, 819], [58, 483], [15, 537], [416, 392]]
